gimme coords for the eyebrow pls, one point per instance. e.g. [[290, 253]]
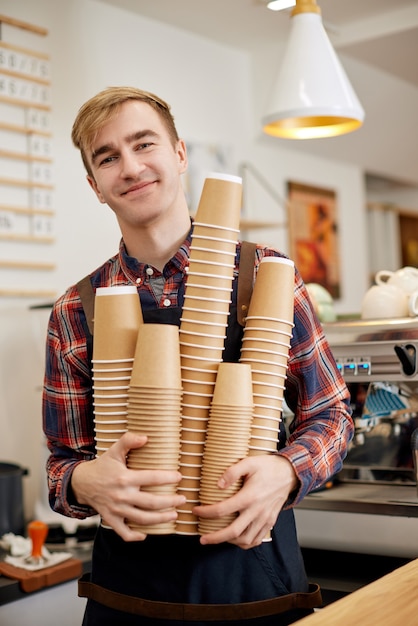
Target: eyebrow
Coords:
[[109, 147]]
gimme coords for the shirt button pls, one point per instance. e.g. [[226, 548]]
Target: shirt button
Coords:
[[138, 281], [149, 271], [167, 302], [186, 269]]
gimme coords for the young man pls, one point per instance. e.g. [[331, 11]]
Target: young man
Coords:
[[134, 161]]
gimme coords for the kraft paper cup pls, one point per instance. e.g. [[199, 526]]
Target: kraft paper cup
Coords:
[[280, 326], [277, 302], [220, 201], [233, 384], [117, 317], [157, 357], [207, 253], [203, 302]]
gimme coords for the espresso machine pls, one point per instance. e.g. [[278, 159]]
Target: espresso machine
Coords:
[[379, 362], [372, 503]]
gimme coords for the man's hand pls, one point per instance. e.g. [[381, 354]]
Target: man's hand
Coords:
[[268, 481], [114, 491]]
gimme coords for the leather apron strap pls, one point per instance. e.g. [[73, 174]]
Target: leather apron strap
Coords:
[[199, 612]]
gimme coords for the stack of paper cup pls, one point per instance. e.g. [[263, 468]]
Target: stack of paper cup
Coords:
[[204, 322], [117, 317], [228, 435], [154, 408], [265, 346]]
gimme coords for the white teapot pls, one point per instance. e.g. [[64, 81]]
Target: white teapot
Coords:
[[406, 278]]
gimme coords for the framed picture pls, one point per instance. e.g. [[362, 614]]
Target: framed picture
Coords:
[[408, 230], [313, 235]]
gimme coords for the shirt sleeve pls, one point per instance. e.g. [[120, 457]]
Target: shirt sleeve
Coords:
[[316, 393], [67, 403]]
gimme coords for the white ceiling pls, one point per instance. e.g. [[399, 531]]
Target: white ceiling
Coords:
[[383, 33], [380, 33]]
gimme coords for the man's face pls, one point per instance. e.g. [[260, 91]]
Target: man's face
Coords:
[[136, 169]]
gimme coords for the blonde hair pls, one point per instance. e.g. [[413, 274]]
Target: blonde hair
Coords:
[[97, 111]]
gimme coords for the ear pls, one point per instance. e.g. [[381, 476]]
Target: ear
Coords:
[[181, 151], [95, 188]]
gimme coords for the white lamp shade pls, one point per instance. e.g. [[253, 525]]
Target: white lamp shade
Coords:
[[312, 96]]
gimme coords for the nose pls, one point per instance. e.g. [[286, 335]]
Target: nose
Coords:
[[131, 165]]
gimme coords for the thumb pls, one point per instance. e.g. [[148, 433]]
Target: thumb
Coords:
[[129, 441]]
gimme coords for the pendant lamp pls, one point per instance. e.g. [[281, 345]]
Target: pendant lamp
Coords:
[[312, 96]]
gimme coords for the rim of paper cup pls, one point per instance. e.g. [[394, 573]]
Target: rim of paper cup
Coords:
[[202, 323], [266, 406], [214, 250], [194, 406], [264, 384], [269, 372], [264, 438], [110, 403], [96, 421], [262, 448], [251, 360], [187, 429], [273, 341], [113, 369], [199, 369], [202, 358], [198, 345], [284, 354], [266, 417], [196, 334], [277, 259], [131, 360], [210, 238], [232, 178], [111, 378], [194, 443], [192, 466], [210, 311], [197, 382], [216, 263], [208, 299], [111, 430], [270, 428], [281, 320], [197, 393], [111, 396], [116, 290], [204, 275], [111, 412], [112, 388], [198, 286], [270, 330]]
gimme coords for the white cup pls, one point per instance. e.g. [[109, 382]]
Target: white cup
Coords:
[[384, 301], [405, 278], [413, 303]]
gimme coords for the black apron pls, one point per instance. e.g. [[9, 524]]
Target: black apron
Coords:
[[177, 569]]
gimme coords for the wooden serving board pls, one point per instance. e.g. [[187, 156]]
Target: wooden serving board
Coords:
[[46, 577]]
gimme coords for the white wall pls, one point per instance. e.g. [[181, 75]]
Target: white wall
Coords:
[[213, 92]]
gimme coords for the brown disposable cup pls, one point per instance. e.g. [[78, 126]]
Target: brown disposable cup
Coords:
[[278, 358], [117, 317], [204, 252], [277, 302], [157, 357], [278, 326], [192, 447], [203, 302], [214, 238], [193, 433], [209, 278], [220, 201], [212, 352], [233, 385], [214, 266]]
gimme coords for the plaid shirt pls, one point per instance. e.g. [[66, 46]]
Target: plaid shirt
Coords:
[[315, 391]]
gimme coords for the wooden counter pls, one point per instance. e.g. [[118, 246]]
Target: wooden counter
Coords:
[[390, 601]]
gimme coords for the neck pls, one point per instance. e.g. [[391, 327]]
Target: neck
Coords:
[[155, 244]]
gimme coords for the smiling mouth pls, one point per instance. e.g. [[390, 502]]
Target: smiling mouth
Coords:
[[137, 187]]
